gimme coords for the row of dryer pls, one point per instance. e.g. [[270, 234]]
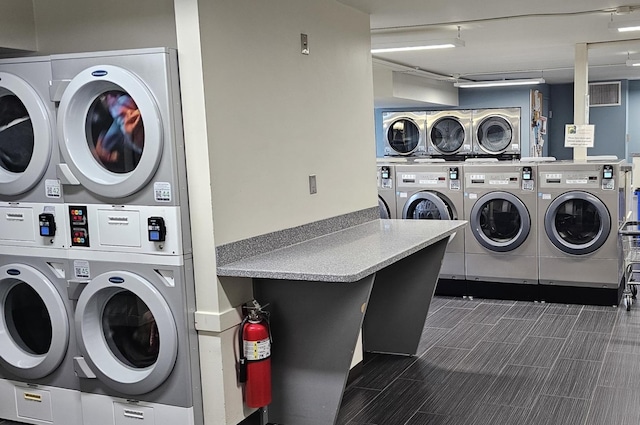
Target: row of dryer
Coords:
[[550, 223], [97, 294], [453, 134]]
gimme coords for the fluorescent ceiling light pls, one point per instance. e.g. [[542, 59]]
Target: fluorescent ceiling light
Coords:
[[633, 62], [498, 83], [415, 45], [624, 26]]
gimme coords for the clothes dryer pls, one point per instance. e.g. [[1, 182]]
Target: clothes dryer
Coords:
[[496, 133], [138, 349], [433, 191], [29, 155], [37, 341], [449, 134], [501, 239], [581, 206], [404, 133], [121, 141]]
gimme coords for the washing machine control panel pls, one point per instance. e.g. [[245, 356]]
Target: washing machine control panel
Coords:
[[607, 172], [454, 178], [156, 228], [47, 224], [79, 226]]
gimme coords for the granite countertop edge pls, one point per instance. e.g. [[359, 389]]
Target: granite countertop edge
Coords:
[[253, 267]]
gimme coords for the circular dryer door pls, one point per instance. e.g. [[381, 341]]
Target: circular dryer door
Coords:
[[447, 135], [126, 332], [110, 131], [403, 136], [494, 134], [577, 223], [500, 221], [26, 136], [34, 327], [384, 209], [428, 206]]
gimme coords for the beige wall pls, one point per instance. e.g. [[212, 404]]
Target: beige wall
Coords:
[[69, 26], [17, 26], [276, 116]]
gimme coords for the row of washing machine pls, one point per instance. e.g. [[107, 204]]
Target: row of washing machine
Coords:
[[552, 223], [97, 294], [453, 134]]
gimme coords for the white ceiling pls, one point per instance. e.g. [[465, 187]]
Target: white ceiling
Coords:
[[508, 39]]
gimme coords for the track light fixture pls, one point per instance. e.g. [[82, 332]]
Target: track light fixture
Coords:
[[498, 83]]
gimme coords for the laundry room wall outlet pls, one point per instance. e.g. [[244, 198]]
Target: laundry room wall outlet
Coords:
[[313, 188]]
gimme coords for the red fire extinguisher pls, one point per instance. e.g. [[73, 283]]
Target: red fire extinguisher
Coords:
[[255, 356]]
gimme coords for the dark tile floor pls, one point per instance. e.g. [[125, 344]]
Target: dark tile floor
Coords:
[[485, 362]]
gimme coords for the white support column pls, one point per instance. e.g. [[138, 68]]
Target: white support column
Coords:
[[581, 94]]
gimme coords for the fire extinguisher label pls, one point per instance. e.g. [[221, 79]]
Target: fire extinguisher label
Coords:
[[257, 350]]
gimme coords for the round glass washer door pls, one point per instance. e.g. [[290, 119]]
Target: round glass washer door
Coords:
[[500, 221], [110, 131], [126, 332], [384, 209], [494, 134], [427, 206], [447, 135], [403, 136], [577, 223], [34, 326], [26, 136]]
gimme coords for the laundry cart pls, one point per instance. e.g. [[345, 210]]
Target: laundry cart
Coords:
[[630, 238]]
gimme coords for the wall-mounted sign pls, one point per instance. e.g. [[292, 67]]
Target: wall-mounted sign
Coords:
[[579, 136]]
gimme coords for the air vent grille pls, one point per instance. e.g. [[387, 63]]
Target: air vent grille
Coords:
[[604, 94]]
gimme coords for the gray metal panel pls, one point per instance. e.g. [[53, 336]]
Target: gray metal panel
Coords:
[[315, 326], [400, 302]]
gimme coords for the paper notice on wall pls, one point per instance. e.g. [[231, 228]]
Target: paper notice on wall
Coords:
[[579, 136]]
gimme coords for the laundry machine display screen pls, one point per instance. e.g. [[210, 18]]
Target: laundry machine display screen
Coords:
[[130, 330], [577, 221], [115, 131], [495, 134], [16, 134], [403, 135], [500, 220], [447, 135], [27, 319]]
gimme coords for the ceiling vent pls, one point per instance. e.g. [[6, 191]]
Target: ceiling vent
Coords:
[[604, 94]]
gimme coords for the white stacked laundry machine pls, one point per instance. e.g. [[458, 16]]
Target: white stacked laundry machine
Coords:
[[122, 167], [37, 339]]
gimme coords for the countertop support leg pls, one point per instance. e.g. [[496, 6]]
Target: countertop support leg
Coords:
[[400, 300], [315, 327]]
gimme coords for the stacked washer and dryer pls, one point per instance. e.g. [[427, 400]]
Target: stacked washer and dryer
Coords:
[[37, 338], [98, 301]]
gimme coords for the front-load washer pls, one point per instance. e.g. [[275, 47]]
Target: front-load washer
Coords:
[[386, 186], [449, 134], [119, 125], [581, 206], [433, 191], [138, 349], [501, 239], [404, 133], [28, 148], [37, 341], [29, 155], [496, 132]]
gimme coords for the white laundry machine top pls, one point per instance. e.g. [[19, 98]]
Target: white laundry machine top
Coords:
[[28, 148]]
